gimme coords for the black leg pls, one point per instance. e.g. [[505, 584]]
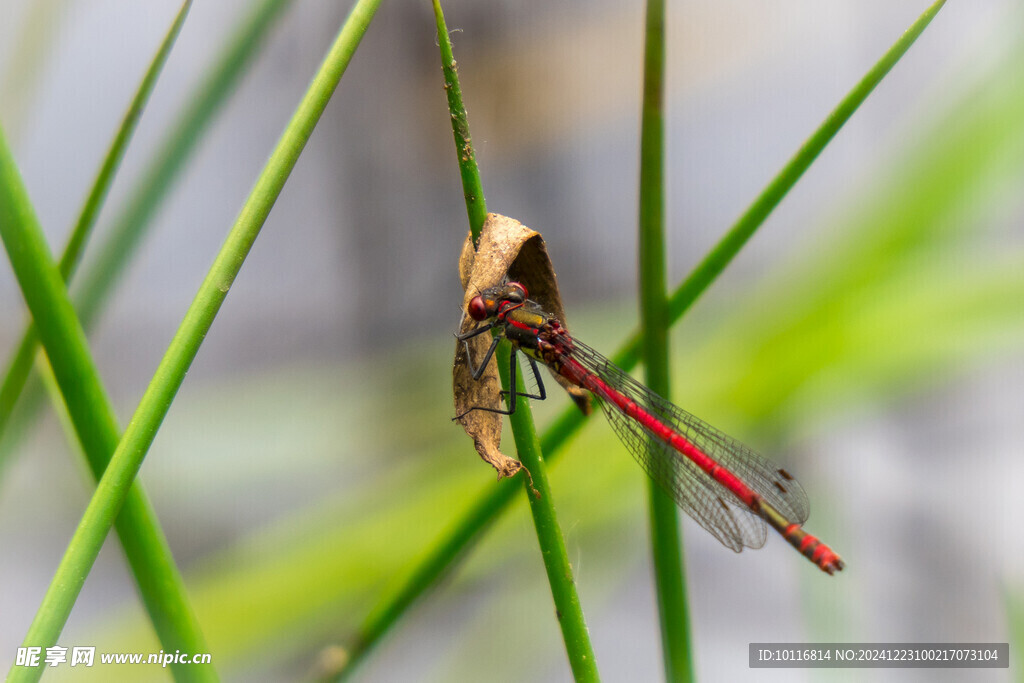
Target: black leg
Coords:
[[541, 394], [512, 393], [512, 381], [475, 331], [512, 365], [478, 371]]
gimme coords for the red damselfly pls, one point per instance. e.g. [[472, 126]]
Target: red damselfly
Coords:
[[727, 488]]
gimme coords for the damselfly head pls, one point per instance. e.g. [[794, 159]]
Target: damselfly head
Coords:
[[487, 303]]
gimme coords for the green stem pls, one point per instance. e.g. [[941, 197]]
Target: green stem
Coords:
[[666, 541], [472, 186], [549, 535], [124, 464], [379, 621], [493, 501], [568, 610]]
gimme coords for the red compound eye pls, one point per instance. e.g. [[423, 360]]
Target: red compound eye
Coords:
[[477, 309], [520, 287]]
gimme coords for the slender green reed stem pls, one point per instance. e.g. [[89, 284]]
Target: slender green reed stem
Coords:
[[472, 186], [124, 464], [379, 621], [666, 542], [437, 561], [493, 501], [549, 534], [568, 610], [21, 363]]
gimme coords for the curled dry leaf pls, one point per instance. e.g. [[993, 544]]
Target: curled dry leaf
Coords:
[[507, 249]]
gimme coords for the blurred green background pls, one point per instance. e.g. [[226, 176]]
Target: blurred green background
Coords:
[[869, 338]]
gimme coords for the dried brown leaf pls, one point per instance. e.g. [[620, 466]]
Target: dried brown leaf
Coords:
[[507, 249]]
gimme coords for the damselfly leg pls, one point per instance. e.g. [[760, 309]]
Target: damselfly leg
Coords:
[[478, 371]]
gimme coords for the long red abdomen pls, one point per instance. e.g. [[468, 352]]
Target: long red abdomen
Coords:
[[809, 546]]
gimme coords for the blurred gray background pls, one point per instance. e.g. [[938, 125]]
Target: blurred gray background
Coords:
[[352, 284]]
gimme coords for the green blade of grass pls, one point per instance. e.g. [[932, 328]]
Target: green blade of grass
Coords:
[[496, 499], [157, 179], [91, 413], [472, 185], [149, 556], [549, 535], [568, 609], [21, 362], [438, 560], [666, 539], [110, 493]]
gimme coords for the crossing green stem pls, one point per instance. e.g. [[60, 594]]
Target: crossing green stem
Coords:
[[666, 542]]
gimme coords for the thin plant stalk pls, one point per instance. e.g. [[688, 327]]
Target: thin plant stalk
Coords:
[[494, 500], [549, 534], [568, 609], [472, 185], [124, 464], [666, 541]]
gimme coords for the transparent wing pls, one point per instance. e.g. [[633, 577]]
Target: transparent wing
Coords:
[[711, 504]]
